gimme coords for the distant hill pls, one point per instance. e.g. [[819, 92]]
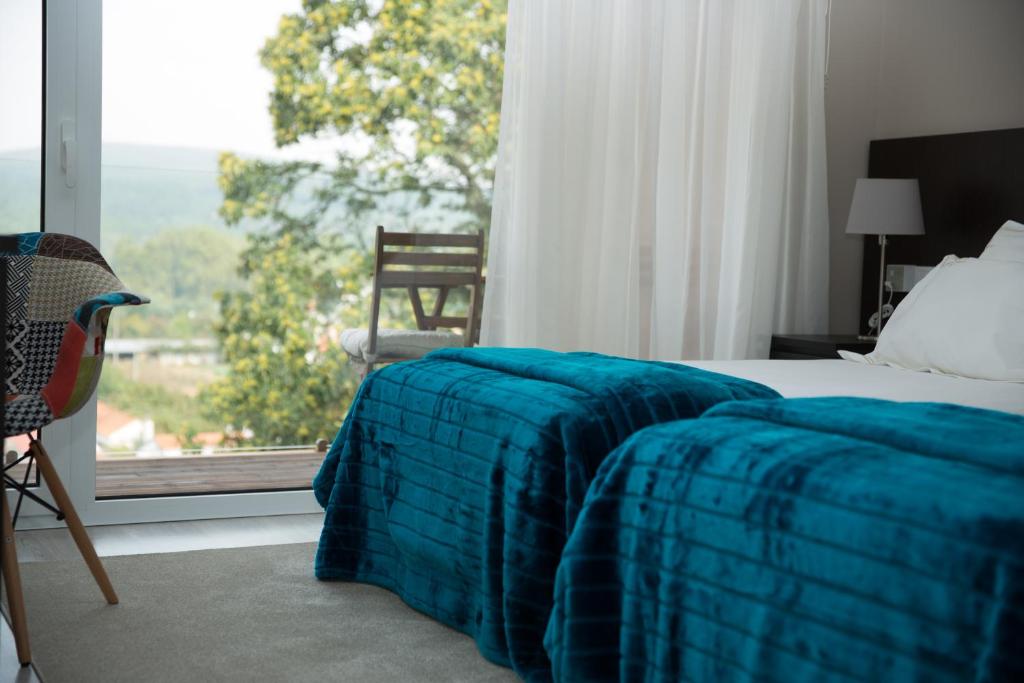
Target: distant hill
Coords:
[[147, 189], [161, 231], [19, 190], [144, 189]]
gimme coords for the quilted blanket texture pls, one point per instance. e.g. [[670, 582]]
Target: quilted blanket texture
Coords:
[[456, 479], [802, 540]]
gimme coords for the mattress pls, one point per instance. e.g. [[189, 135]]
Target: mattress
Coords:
[[809, 378]]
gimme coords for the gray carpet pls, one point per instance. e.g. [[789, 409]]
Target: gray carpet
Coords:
[[243, 614]]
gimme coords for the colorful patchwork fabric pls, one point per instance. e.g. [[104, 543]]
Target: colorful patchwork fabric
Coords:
[[59, 294]]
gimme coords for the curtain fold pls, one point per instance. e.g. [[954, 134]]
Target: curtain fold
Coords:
[[660, 188]]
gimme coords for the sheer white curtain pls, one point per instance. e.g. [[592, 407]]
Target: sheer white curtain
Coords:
[[660, 190]]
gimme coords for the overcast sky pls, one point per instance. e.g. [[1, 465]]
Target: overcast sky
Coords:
[[182, 73], [20, 73]]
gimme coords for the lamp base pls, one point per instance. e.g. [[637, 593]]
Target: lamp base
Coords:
[[867, 337]]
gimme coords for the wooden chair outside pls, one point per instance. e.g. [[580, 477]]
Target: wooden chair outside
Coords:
[[413, 262]]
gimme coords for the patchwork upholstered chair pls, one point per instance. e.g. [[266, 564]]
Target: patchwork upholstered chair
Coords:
[[58, 298], [402, 262]]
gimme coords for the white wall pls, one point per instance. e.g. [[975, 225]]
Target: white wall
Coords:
[[901, 68]]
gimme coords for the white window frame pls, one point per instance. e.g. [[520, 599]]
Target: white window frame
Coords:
[[73, 102]]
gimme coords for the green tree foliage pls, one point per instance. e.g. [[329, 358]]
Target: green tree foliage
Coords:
[[287, 378], [410, 90], [181, 270]]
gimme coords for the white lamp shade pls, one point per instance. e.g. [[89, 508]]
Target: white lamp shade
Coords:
[[886, 206]]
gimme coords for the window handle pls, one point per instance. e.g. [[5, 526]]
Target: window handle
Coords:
[[69, 153]]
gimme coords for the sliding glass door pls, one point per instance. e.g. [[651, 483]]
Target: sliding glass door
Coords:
[[132, 144], [177, 102]]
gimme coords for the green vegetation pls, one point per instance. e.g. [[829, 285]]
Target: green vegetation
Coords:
[[146, 190], [172, 412], [19, 191], [287, 378], [411, 90], [277, 259], [182, 270]]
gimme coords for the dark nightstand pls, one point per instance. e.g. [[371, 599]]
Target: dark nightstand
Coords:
[[811, 346]]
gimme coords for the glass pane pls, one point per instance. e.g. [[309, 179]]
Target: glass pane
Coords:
[[242, 180], [21, 82]]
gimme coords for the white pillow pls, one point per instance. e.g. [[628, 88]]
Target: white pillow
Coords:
[[1007, 244], [965, 318]]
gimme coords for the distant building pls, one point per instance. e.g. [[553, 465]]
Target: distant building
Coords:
[[164, 351], [121, 432]]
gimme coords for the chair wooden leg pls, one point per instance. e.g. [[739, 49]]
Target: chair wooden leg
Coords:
[[74, 522], [12, 582], [362, 369]]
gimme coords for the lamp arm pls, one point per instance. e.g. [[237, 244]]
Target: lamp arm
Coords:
[[882, 241]]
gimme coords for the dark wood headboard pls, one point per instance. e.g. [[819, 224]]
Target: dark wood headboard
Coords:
[[971, 183]]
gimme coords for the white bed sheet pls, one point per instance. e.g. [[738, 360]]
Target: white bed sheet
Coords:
[[803, 378]]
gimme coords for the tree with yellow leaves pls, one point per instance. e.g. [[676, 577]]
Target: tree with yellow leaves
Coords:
[[286, 382], [410, 90]]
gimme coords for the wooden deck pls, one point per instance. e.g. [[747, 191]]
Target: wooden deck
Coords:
[[267, 471], [262, 471]]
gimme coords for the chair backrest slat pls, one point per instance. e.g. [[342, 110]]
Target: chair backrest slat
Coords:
[[451, 269], [426, 278], [420, 258], [435, 321], [426, 239]]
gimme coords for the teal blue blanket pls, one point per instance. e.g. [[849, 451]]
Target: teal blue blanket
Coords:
[[801, 540], [456, 479]]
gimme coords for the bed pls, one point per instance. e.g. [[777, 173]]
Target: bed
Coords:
[[423, 499], [457, 480], [876, 535]]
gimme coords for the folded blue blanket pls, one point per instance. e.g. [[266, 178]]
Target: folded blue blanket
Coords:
[[456, 479], [801, 540]]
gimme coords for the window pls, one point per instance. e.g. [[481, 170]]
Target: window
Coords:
[[245, 160], [241, 180], [171, 111], [21, 132], [21, 82]]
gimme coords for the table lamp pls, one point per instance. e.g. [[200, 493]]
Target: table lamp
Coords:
[[884, 206]]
